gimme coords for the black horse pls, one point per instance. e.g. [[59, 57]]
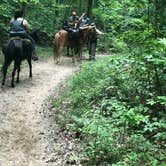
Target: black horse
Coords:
[[16, 50]]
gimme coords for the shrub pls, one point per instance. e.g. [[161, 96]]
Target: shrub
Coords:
[[115, 115]]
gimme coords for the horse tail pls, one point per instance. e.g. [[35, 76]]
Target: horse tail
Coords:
[[59, 43], [56, 43]]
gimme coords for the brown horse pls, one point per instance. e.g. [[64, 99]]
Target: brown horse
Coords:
[[61, 40]]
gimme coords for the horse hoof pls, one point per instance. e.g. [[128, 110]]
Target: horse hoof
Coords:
[[2, 86], [35, 58], [12, 85]]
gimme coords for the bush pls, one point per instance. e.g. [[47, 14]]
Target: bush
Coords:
[[114, 115]]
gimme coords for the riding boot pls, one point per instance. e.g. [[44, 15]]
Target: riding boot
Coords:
[[34, 56]]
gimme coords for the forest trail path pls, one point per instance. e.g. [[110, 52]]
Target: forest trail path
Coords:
[[23, 126]]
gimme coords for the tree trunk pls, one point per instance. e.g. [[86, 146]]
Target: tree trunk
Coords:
[[23, 8], [80, 6], [89, 10]]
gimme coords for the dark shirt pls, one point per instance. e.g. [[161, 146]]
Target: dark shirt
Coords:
[[17, 26], [84, 21], [72, 20], [17, 29]]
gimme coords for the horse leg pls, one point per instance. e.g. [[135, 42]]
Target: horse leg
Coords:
[[92, 51], [80, 53], [18, 73], [55, 57], [4, 70], [68, 54], [58, 57], [59, 54], [30, 66], [13, 73], [56, 54], [76, 53], [73, 51]]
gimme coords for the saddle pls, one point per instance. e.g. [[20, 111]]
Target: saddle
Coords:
[[73, 34], [19, 38], [18, 41]]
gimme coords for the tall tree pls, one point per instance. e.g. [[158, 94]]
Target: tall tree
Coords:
[[89, 10]]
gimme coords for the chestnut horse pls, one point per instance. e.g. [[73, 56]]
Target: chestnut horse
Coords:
[[61, 40]]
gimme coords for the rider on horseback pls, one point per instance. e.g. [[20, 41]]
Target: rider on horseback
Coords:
[[72, 26], [85, 20], [19, 27], [73, 20]]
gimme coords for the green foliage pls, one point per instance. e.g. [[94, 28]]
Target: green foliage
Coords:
[[117, 114], [44, 15], [124, 22], [117, 105], [36, 1], [47, 16], [44, 52]]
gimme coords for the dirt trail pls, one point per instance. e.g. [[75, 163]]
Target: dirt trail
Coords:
[[23, 130]]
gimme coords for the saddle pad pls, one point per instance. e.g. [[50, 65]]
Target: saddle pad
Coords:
[[74, 35], [17, 43]]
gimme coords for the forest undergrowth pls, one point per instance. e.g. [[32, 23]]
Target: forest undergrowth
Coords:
[[116, 111]]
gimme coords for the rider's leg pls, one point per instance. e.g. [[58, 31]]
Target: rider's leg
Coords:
[[34, 55]]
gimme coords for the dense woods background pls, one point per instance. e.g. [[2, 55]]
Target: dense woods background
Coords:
[[117, 105]]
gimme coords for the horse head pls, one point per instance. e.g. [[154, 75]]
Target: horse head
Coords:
[[34, 34]]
